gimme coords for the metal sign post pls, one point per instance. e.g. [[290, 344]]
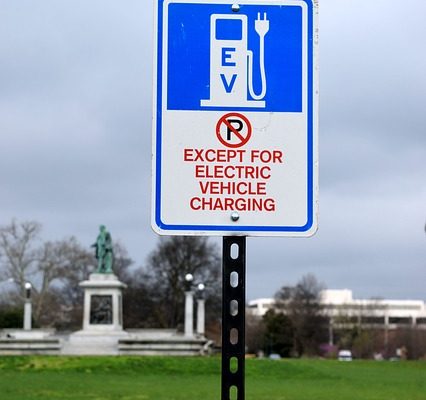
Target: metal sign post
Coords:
[[233, 317]]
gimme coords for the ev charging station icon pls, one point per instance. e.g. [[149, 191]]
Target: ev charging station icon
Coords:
[[231, 62]]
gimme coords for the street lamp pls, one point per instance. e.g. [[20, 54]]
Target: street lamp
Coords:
[[201, 310], [27, 302], [189, 306], [27, 307], [188, 281], [201, 287], [28, 287]]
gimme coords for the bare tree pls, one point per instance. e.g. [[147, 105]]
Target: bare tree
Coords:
[[53, 268], [63, 265], [73, 264], [167, 265], [122, 263], [19, 251]]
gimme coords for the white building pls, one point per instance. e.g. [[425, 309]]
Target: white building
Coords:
[[342, 308]]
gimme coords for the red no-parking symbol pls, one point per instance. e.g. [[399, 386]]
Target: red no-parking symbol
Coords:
[[233, 130]]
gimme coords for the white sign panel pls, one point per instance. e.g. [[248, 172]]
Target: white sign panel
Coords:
[[235, 118]]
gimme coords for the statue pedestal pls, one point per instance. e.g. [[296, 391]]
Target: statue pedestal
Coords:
[[102, 317], [103, 306]]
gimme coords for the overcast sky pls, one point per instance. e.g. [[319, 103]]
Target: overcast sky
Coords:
[[75, 138]]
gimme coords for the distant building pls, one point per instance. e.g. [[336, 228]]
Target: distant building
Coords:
[[343, 310]]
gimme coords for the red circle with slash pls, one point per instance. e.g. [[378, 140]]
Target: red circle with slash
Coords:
[[233, 130]]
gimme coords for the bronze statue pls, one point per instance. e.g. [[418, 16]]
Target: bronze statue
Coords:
[[103, 251]]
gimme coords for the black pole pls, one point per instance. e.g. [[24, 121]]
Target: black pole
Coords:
[[233, 317]]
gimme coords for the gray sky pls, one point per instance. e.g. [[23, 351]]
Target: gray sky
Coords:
[[75, 138]]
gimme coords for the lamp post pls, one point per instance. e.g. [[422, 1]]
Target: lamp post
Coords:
[[27, 307], [27, 303], [200, 310], [189, 306]]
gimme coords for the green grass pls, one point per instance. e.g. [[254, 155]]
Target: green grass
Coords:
[[168, 378]]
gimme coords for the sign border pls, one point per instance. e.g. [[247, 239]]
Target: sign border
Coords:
[[310, 227]]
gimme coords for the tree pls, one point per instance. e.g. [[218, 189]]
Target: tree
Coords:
[[255, 334], [141, 302], [59, 261], [11, 318], [74, 263], [63, 306], [54, 268], [302, 305], [279, 333], [19, 251], [410, 338], [48, 266], [167, 266]]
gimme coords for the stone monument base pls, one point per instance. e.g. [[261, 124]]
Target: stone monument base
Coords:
[[93, 343], [136, 342], [102, 318], [156, 344], [103, 305], [23, 342]]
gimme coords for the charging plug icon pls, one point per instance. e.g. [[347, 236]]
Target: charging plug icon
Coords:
[[261, 26]]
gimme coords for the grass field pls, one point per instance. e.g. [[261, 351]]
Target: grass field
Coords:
[[167, 378]]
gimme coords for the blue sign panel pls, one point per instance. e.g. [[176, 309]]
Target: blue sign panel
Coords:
[[194, 42]]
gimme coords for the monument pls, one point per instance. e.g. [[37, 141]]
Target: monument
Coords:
[[102, 332], [103, 306]]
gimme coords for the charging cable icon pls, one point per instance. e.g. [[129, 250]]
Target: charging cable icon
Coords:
[[231, 62]]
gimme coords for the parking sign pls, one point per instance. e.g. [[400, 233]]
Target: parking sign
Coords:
[[235, 118]]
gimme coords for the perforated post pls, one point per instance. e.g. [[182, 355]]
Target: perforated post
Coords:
[[233, 317]]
